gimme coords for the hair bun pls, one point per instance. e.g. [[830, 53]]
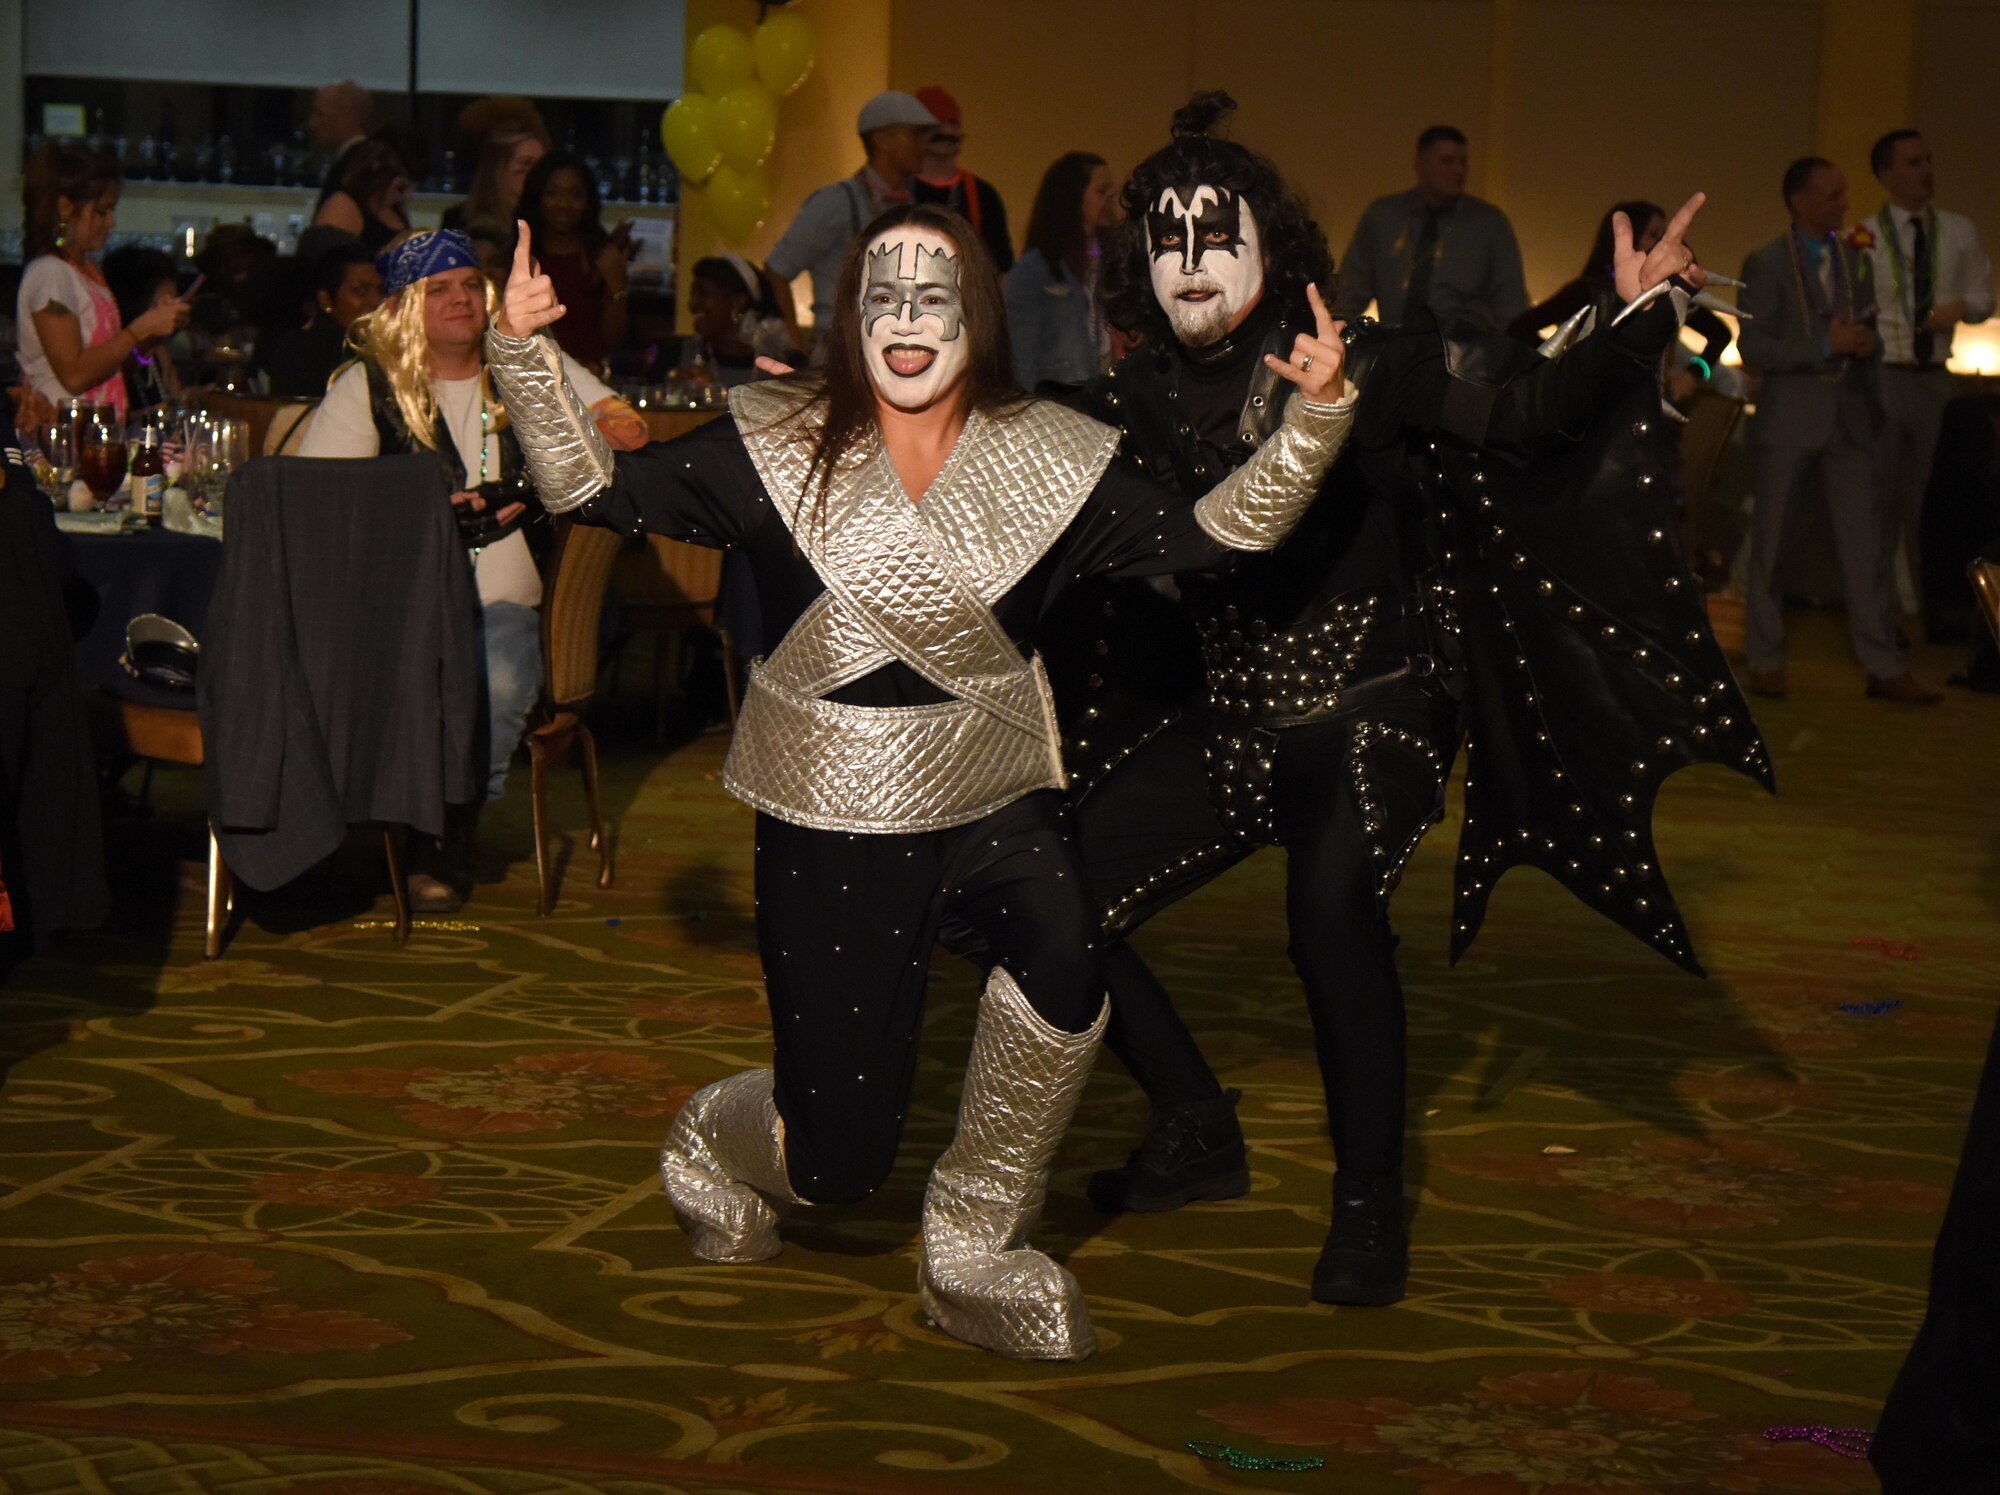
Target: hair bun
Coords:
[[1201, 114]]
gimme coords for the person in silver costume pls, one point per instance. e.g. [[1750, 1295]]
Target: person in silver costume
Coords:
[[910, 516]]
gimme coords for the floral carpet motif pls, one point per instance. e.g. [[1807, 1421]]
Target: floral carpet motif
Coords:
[[1549, 1432], [76, 1322], [328, 1217]]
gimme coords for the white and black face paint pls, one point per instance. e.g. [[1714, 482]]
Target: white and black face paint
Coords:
[[1208, 264], [913, 317]]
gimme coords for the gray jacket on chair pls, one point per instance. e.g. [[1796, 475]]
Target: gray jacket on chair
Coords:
[[1807, 394], [340, 672]]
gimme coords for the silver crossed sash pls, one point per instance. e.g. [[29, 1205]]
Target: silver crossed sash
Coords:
[[915, 583]]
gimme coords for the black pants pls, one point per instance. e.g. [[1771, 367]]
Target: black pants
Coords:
[[845, 925], [1150, 820]]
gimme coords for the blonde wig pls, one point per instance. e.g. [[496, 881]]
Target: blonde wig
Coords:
[[392, 337]]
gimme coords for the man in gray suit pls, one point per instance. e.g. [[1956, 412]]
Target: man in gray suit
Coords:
[[1435, 246], [1809, 300]]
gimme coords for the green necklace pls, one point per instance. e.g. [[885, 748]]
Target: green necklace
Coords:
[[1899, 266]]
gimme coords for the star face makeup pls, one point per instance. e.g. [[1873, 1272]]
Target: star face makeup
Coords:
[[913, 317], [1208, 263]]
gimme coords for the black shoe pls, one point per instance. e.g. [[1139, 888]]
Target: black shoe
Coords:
[[1189, 1152], [1366, 1260]]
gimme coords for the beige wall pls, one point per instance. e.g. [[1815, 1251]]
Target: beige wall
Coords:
[[1570, 104], [1956, 100]]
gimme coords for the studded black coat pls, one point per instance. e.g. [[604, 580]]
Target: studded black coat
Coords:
[[1502, 526]]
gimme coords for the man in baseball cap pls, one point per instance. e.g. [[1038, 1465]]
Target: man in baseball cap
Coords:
[[942, 180], [895, 129]]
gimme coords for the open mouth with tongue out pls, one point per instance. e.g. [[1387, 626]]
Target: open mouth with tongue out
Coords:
[[909, 360]]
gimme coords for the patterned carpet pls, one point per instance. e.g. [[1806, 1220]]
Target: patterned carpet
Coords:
[[328, 1218]]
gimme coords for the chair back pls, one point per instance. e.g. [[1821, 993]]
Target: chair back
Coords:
[[670, 575], [255, 411], [1985, 578], [1711, 419], [572, 604]]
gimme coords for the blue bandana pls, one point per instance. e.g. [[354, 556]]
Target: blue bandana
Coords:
[[423, 255]]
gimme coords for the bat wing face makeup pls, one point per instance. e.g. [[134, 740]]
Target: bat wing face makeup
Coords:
[[1208, 264], [913, 317]]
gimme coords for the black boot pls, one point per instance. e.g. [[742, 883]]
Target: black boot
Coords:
[[1366, 1260], [1189, 1152]]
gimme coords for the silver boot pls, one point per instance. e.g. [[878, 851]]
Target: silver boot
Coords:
[[724, 1168], [978, 1280]]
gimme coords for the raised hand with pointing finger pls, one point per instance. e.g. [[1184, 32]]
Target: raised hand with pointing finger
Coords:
[[529, 302], [1318, 358]]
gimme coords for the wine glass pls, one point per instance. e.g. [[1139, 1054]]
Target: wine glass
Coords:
[[55, 461], [101, 454]]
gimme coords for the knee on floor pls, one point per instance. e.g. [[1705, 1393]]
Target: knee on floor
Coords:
[[839, 1165]]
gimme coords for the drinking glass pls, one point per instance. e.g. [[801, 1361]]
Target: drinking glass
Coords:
[[55, 461], [101, 455], [216, 448]]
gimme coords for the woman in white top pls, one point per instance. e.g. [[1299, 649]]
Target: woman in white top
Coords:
[[73, 343]]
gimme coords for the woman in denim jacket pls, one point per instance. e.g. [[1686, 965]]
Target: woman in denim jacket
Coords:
[[1053, 320]]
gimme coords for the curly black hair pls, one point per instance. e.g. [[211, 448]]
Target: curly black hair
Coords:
[[1295, 248]]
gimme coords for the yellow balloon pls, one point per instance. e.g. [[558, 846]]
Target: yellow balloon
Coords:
[[720, 59], [687, 130], [737, 201], [746, 126], [786, 50]]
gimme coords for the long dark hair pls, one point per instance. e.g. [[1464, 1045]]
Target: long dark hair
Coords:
[[59, 169], [367, 172], [843, 384], [1294, 245], [135, 274], [1602, 247], [1055, 223], [591, 227]]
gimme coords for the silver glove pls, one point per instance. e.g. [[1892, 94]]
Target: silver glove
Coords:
[[1257, 505], [567, 456]]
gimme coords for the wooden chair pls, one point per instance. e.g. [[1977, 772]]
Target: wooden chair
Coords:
[[1711, 419], [256, 411], [1985, 578], [161, 734], [664, 589], [288, 428], [572, 604]]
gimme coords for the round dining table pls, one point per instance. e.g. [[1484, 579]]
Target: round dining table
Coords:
[[142, 571]]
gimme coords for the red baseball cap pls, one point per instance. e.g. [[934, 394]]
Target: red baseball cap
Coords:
[[942, 104]]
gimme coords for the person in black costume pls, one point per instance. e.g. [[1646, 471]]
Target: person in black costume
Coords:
[[1593, 290], [1491, 553], [51, 835], [1940, 1427], [910, 517]]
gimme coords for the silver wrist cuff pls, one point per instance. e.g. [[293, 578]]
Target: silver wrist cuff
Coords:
[[567, 456], [1255, 507]]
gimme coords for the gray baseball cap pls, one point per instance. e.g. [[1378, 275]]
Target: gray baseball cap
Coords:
[[893, 108]]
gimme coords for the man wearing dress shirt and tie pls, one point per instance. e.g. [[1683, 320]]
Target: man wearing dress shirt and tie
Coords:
[[1435, 246], [1808, 334], [1931, 273]]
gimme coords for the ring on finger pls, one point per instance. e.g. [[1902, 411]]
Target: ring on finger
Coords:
[[1305, 364]]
